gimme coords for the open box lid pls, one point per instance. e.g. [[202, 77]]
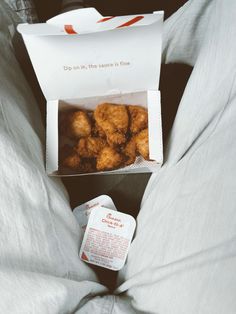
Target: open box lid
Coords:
[[81, 53]]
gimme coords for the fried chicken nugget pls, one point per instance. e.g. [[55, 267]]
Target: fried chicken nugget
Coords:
[[113, 120], [79, 124], [109, 159], [116, 138], [97, 131], [88, 165], [72, 161], [138, 118], [130, 152], [142, 144], [90, 147]]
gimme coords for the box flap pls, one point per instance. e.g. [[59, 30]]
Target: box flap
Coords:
[[80, 53]]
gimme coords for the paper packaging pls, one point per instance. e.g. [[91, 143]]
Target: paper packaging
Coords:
[[84, 59], [107, 238], [83, 211]]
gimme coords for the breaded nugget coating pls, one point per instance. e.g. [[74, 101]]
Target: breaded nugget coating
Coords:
[[113, 120], [72, 161], [108, 138], [130, 152], [90, 147], [108, 159], [142, 144], [138, 118], [98, 131], [116, 138], [88, 165], [79, 124]]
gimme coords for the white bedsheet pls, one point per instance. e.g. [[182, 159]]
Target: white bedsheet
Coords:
[[182, 260], [25, 9], [39, 237]]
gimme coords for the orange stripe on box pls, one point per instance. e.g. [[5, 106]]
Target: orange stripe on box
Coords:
[[70, 30], [105, 19], [84, 257], [131, 22]]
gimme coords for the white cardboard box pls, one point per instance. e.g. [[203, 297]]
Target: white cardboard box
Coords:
[[81, 57]]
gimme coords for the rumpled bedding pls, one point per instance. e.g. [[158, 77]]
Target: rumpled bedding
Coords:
[[183, 257], [40, 271], [25, 9]]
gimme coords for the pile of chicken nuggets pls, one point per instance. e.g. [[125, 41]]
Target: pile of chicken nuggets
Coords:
[[108, 138]]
